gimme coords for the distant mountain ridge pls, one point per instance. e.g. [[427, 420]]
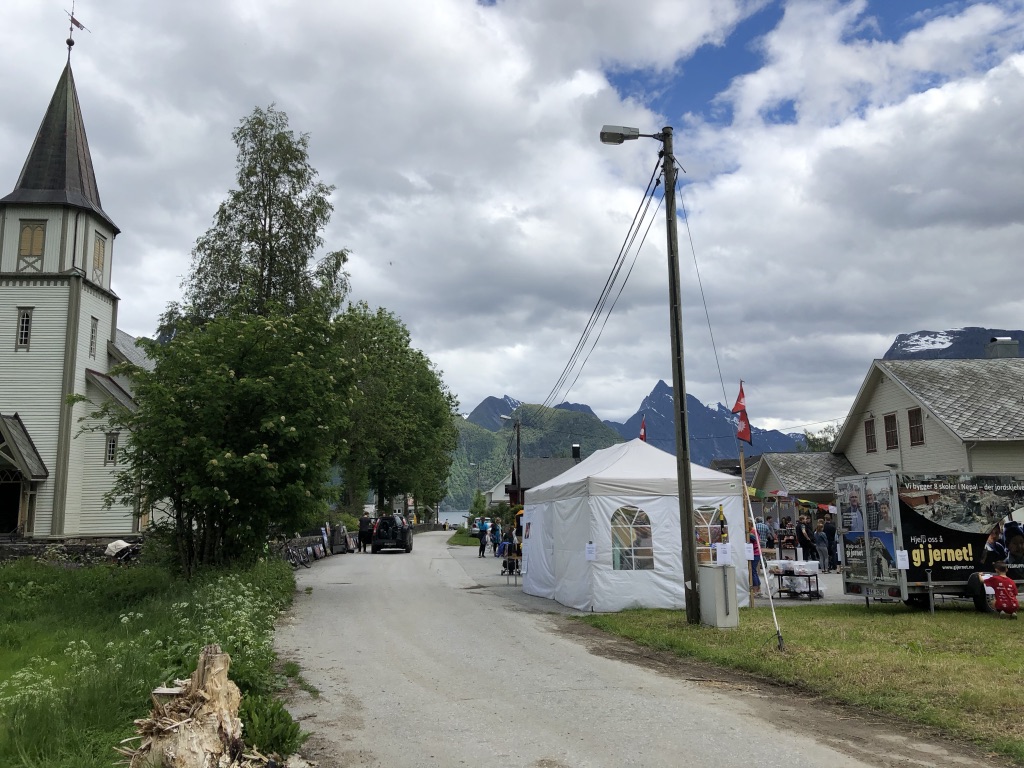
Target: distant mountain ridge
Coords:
[[486, 438], [488, 414], [712, 430], [954, 344]]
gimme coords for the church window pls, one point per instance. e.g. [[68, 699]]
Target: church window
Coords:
[[110, 457], [94, 332], [632, 544], [30, 246], [99, 255], [24, 328]]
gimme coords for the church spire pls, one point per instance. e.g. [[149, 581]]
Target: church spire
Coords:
[[59, 169]]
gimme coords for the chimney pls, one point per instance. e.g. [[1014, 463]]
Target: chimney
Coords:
[[1002, 346], [576, 452]]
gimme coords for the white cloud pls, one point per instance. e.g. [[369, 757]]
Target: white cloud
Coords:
[[481, 209]]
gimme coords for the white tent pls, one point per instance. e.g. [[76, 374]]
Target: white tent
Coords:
[[622, 504]]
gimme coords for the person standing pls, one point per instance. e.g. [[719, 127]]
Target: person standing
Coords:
[[495, 536], [833, 548], [483, 528], [365, 532], [764, 534], [821, 544], [755, 564], [805, 538]]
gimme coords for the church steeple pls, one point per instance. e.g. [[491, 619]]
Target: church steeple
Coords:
[[59, 169]]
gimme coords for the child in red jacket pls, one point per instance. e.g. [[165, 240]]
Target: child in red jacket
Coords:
[[1006, 592]]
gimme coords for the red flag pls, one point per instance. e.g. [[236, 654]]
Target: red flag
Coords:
[[741, 402], [643, 428], [743, 428]]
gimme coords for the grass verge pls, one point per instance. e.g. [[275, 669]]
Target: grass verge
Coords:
[[461, 538], [84, 647], [957, 670]]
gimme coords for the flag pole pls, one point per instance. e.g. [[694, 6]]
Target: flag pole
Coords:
[[745, 433]]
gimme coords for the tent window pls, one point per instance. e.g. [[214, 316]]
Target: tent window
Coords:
[[632, 545]]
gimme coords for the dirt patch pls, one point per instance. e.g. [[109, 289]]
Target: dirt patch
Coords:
[[882, 741]]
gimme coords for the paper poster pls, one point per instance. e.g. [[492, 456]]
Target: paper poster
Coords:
[[902, 560], [750, 551], [591, 551], [722, 552]]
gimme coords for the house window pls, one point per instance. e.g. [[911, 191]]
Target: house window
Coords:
[[93, 333], [110, 457], [24, 334], [30, 246], [632, 545], [99, 255], [916, 426], [892, 433], [869, 436]]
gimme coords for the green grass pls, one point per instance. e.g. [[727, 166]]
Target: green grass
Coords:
[[84, 647], [461, 538], [294, 671], [957, 670]]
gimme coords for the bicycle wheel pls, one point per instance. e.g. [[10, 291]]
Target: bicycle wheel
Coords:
[[304, 557]]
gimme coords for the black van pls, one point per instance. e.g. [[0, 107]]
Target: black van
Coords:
[[391, 532]]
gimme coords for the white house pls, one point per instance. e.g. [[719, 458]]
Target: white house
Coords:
[[58, 337], [946, 416]]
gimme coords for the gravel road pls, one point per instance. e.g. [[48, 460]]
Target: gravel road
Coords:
[[432, 659]]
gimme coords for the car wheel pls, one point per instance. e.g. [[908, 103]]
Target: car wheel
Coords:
[[374, 549]]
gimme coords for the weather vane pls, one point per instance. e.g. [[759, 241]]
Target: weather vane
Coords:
[[71, 29]]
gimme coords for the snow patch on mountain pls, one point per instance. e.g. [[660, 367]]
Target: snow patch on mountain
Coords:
[[922, 340]]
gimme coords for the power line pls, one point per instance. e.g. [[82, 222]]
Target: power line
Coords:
[[630, 238]]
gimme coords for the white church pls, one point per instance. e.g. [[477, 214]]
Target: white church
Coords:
[[59, 337]]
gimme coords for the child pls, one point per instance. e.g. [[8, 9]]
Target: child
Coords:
[[1006, 592]]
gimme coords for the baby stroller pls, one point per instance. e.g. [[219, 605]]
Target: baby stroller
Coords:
[[510, 560]]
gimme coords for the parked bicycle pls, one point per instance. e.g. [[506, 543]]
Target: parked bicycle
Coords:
[[296, 556]]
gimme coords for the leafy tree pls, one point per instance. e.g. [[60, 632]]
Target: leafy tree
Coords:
[[479, 505], [259, 251], [821, 440], [403, 434], [235, 431]]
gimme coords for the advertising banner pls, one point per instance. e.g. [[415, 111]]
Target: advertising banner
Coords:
[[958, 524]]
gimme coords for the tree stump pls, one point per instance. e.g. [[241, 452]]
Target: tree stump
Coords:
[[198, 726]]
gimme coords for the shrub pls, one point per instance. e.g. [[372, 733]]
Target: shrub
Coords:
[[269, 727]]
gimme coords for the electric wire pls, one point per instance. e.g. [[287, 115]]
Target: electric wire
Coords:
[[622, 287], [609, 284]]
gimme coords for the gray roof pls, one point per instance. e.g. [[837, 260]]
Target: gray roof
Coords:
[[58, 170], [111, 387], [540, 470], [127, 346], [808, 472], [13, 432], [975, 399]]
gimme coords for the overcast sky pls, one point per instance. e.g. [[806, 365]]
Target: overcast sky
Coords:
[[855, 170]]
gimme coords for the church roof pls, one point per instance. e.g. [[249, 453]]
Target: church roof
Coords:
[[59, 169]]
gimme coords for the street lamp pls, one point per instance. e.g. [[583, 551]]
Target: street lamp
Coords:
[[617, 134], [519, 462]]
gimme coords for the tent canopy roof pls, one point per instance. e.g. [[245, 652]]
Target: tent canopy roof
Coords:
[[635, 469]]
